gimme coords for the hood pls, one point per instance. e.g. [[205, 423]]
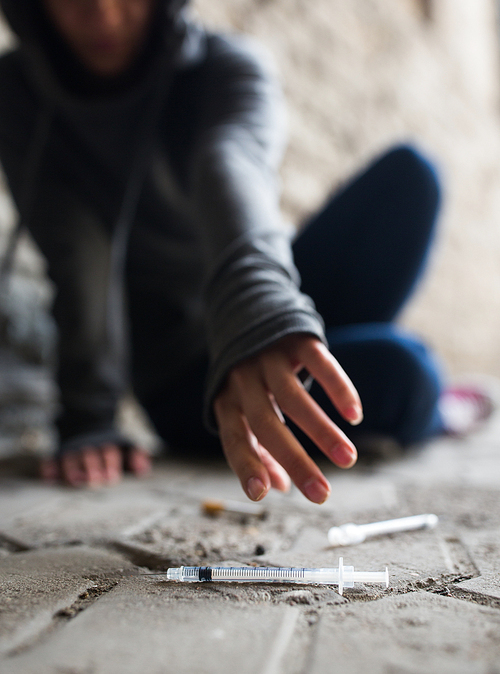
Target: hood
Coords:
[[174, 40]]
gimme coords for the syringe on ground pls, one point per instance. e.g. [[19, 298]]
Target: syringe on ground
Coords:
[[343, 576]]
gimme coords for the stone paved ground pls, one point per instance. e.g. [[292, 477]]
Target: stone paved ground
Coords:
[[78, 597]]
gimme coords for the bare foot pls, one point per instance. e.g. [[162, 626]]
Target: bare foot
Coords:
[[95, 466]]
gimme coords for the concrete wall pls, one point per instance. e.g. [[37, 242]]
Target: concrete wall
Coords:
[[363, 74]]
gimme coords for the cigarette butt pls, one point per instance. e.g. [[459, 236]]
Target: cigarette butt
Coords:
[[212, 508], [215, 508]]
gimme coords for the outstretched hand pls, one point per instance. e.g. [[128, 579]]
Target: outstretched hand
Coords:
[[258, 446]]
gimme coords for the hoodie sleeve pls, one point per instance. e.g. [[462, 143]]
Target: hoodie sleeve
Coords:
[[91, 370], [77, 249], [252, 286]]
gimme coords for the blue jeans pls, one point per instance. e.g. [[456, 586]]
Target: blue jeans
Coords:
[[359, 260]]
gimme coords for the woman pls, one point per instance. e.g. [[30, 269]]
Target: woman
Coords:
[[142, 153]]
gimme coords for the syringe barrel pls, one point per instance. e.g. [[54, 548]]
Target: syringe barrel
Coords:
[[261, 573], [401, 524], [254, 574]]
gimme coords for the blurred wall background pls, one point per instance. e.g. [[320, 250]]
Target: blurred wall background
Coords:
[[360, 76], [363, 74]]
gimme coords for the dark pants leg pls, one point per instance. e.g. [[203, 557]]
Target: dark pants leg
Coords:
[[359, 259], [176, 414], [362, 255]]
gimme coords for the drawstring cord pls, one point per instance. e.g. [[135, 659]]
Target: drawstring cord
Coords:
[[117, 325]]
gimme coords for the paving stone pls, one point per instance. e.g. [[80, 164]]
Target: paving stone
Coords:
[[416, 633], [189, 538], [57, 515], [35, 585], [355, 491], [184, 535], [150, 627], [20, 497], [164, 514], [460, 507], [484, 547], [471, 461], [487, 584]]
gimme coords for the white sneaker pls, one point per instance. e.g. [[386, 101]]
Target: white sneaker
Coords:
[[464, 408]]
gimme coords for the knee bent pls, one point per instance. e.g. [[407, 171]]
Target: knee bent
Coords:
[[414, 170]]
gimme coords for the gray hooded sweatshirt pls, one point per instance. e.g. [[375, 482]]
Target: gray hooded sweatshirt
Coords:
[[155, 201]]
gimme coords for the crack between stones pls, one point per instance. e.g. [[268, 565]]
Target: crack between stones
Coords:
[[12, 545], [85, 599], [312, 638], [468, 595], [140, 556], [447, 587]]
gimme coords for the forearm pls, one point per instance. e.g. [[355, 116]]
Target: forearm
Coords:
[[252, 297], [91, 364]]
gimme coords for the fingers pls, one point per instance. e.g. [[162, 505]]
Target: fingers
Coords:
[[111, 464], [300, 407], [259, 447], [320, 363], [95, 466], [287, 451], [249, 421], [72, 469], [139, 461], [49, 470], [240, 448], [83, 468], [280, 479]]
